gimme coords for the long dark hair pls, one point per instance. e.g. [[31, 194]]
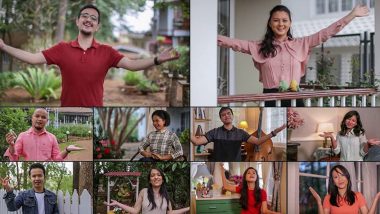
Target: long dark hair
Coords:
[[333, 189], [244, 190], [267, 47], [163, 191], [358, 129]]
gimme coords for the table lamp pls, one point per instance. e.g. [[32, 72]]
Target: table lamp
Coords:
[[243, 125], [202, 172], [325, 127]]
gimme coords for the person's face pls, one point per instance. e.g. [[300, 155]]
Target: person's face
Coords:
[[37, 177], [339, 179], [351, 122], [280, 24], [155, 178], [88, 21], [39, 119], [251, 176], [226, 116], [158, 122]]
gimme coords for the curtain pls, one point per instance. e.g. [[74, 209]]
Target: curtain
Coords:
[[350, 166], [273, 185], [369, 177]]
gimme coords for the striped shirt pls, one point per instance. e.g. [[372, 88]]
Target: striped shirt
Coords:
[[163, 143]]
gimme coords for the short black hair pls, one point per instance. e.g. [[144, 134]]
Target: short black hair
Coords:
[[37, 166], [92, 7], [163, 115], [223, 109]]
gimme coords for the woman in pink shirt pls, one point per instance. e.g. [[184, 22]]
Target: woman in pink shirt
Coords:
[[279, 56], [340, 197]]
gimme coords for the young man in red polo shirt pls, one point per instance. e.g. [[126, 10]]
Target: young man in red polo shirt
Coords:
[[84, 62]]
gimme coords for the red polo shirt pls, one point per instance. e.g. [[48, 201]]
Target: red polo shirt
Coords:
[[83, 71]]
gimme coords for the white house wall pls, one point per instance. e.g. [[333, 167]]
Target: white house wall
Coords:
[[250, 24]]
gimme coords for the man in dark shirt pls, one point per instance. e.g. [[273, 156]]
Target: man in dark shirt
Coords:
[[228, 139]]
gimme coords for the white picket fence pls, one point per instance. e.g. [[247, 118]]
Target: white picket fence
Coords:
[[67, 204]]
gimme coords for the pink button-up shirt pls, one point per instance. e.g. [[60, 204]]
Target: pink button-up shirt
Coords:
[[36, 147], [291, 59]]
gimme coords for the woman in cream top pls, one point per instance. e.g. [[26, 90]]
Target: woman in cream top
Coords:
[[351, 141], [152, 200]]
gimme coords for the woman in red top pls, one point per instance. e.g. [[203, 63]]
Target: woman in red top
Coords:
[[340, 197], [253, 199]]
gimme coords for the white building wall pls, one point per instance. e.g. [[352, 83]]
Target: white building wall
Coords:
[[250, 24]]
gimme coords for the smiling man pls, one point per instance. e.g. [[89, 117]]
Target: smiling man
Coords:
[[84, 62], [228, 139], [37, 200], [36, 144]]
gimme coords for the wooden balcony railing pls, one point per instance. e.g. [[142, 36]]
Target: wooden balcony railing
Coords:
[[337, 97]]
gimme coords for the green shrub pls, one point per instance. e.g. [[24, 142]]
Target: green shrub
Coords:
[[39, 84], [133, 78], [147, 86], [6, 81], [78, 130], [184, 137]]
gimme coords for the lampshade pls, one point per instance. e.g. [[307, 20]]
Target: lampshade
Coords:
[[243, 124], [325, 127], [202, 171]]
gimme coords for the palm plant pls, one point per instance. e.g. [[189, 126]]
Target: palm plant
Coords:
[[39, 84]]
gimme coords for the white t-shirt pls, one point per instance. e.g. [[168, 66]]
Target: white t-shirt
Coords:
[[350, 146], [40, 196]]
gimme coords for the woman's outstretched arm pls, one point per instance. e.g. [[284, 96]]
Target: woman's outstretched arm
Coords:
[[226, 185], [374, 204], [133, 210], [236, 44], [318, 200], [324, 34]]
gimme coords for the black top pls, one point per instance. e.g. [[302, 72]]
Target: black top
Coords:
[[227, 143]]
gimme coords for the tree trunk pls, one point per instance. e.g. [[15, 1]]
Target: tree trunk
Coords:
[[76, 167], [86, 177], [60, 33], [25, 175]]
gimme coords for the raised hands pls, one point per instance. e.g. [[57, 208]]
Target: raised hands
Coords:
[[5, 184], [168, 55], [277, 130], [2, 44], [327, 135], [156, 156], [360, 11], [113, 203], [71, 148], [315, 195], [373, 141], [11, 137]]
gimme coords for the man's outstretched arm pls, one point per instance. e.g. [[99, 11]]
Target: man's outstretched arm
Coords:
[[142, 64], [31, 58]]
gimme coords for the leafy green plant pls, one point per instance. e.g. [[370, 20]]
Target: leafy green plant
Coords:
[[184, 137], [132, 78], [183, 5], [11, 118], [324, 68], [39, 84], [147, 86], [78, 130], [181, 65], [6, 81]]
